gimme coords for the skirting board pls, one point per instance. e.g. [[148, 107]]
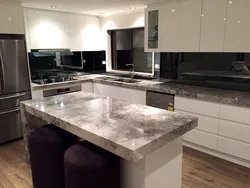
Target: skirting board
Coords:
[[218, 154]]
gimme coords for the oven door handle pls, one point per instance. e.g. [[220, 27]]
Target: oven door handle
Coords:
[[10, 111], [13, 96]]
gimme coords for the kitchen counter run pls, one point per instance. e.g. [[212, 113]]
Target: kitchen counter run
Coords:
[[130, 131], [230, 97]]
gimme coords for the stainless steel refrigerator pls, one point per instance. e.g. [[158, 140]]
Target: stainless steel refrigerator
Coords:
[[14, 85]]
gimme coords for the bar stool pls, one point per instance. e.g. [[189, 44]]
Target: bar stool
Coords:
[[89, 166], [47, 145]]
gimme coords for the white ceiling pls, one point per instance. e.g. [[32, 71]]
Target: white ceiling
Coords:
[[93, 7]]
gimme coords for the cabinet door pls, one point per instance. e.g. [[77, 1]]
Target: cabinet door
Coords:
[[48, 29], [11, 18], [170, 27], [84, 33], [238, 26], [190, 26], [213, 25], [152, 28], [137, 97]]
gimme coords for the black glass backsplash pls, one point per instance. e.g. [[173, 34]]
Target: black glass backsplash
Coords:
[[217, 70]]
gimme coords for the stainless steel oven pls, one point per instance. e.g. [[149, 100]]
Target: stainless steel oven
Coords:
[[60, 91]]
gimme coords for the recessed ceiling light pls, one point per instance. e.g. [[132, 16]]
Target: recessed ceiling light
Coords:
[[173, 10], [132, 8], [9, 18], [54, 7], [230, 2]]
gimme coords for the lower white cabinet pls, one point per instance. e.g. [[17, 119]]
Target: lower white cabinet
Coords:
[[234, 148], [235, 131], [88, 87], [137, 96], [111, 91], [201, 138], [125, 94]]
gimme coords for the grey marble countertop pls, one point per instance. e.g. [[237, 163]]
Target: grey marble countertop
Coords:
[[230, 97], [130, 131]]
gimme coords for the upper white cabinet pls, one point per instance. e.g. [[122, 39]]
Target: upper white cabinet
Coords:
[[51, 29], [84, 33], [190, 25], [214, 14], [11, 18], [153, 28], [170, 26], [47, 29], [238, 26]]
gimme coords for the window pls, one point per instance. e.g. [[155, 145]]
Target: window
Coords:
[[127, 47]]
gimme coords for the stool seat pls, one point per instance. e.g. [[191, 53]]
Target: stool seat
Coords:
[[47, 145], [87, 165]]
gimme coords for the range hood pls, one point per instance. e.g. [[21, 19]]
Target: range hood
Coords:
[[51, 52]]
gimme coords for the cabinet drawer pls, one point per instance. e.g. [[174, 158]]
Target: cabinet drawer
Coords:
[[201, 138], [235, 148], [234, 130], [197, 106], [205, 123], [234, 113]]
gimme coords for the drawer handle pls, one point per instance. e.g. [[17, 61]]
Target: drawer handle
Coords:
[[13, 96], [10, 111]]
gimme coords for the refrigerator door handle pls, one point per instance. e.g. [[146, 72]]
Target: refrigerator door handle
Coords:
[[3, 74], [10, 111], [13, 96]]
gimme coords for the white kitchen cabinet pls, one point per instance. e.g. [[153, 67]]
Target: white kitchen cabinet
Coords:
[[48, 29], [152, 32], [197, 106], [213, 25], [205, 123], [234, 148], [234, 130], [238, 26], [84, 33], [11, 18], [170, 26], [137, 96], [87, 87], [190, 25], [201, 138], [112, 91]]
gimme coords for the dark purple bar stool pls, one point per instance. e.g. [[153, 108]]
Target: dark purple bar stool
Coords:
[[47, 145], [89, 166]]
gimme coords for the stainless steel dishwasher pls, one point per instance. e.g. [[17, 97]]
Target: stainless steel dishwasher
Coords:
[[160, 100]]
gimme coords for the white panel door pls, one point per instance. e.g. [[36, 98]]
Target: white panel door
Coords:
[[84, 33], [11, 18], [213, 25], [201, 138], [48, 29], [170, 26], [190, 26], [238, 26], [137, 96]]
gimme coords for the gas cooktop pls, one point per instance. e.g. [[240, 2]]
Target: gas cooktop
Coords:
[[52, 79]]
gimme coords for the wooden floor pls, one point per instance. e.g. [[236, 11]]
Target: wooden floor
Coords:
[[199, 170]]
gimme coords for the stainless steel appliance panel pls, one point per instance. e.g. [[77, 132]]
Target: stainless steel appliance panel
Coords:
[[13, 100], [60, 91], [160, 100], [10, 125], [13, 59]]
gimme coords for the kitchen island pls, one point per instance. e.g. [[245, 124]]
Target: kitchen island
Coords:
[[148, 140]]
